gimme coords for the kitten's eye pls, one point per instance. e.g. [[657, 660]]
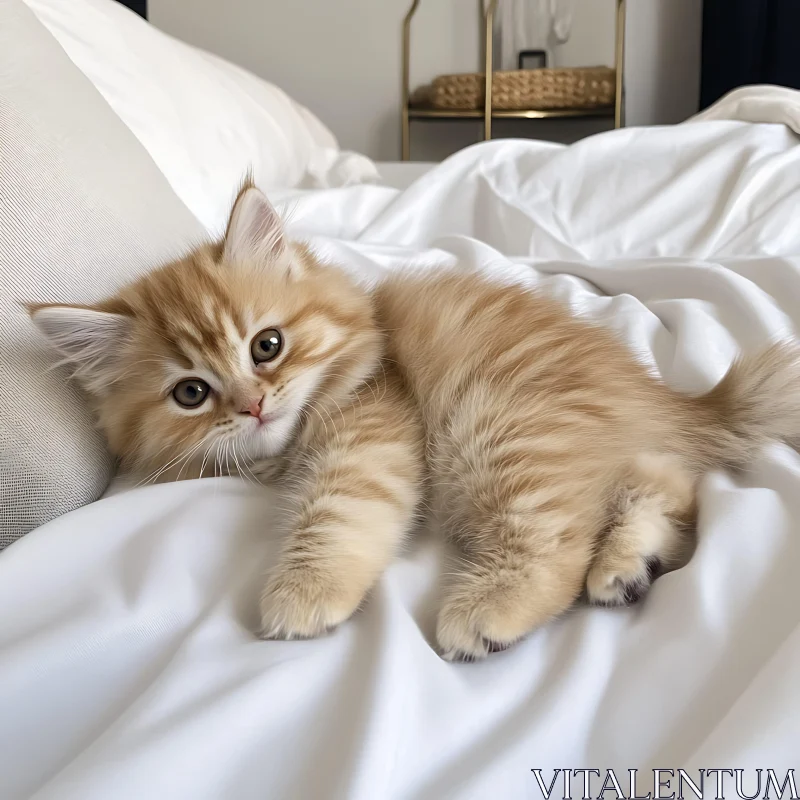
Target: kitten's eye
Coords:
[[191, 393], [266, 345]]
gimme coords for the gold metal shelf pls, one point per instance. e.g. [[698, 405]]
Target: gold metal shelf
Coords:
[[409, 112], [420, 112]]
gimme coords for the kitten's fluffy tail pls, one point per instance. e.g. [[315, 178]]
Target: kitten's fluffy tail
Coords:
[[757, 401]]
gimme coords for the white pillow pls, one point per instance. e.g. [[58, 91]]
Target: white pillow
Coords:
[[203, 120]]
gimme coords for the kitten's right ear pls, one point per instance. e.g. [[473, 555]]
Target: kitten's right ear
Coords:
[[255, 231], [92, 341]]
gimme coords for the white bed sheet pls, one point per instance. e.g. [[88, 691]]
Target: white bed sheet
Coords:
[[128, 666]]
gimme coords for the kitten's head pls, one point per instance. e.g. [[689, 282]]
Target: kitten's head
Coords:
[[218, 356]]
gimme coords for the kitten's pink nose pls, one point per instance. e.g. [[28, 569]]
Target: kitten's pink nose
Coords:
[[254, 409]]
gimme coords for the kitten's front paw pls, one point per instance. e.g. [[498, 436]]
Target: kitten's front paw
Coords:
[[302, 603], [480, 618]]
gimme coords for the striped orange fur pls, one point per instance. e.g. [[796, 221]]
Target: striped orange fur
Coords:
[[555, 461]]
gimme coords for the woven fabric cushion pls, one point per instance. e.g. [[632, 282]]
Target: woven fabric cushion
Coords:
[[82, 209]]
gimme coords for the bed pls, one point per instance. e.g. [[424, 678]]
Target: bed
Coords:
[[129, 667]]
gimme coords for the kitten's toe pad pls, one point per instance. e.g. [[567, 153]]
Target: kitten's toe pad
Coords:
[[303, 605], [486, 647], [621, 582]]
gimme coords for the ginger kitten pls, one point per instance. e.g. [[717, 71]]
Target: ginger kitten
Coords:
[[558, 462]]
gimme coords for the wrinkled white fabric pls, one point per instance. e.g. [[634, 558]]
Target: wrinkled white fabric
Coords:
[[776, 104], [129, 667]]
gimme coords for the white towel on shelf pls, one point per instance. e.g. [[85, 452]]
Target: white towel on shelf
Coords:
[[531, 25], [562, 12]]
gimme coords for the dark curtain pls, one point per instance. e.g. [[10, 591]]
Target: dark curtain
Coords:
[[139, 6], [749, 41]]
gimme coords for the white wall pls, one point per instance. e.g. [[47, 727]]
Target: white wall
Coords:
[[341, 58], [662, 71]]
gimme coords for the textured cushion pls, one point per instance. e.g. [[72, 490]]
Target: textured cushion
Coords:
[[82, 209]]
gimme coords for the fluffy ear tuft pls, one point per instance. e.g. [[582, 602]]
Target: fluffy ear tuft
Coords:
[[255, 231], [92, 341]]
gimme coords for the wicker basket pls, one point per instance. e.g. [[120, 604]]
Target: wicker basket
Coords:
[[514, 90]]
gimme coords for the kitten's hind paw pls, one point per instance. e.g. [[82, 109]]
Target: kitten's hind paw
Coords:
[[621, 582]]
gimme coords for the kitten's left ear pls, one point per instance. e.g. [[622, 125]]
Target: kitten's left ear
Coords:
[[255, 231], [94, 342]]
